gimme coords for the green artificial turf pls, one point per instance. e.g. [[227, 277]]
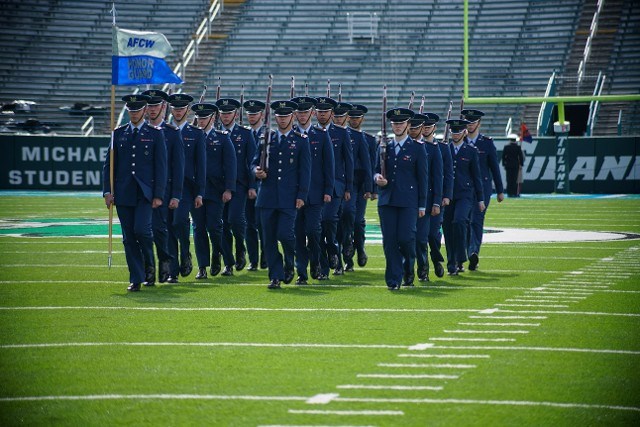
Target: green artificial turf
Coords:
[[542, 334]]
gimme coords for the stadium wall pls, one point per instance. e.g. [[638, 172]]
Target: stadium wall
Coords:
[[600, 165]]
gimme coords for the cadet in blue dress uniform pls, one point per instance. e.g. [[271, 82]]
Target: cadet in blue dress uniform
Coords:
[[402, 195], [234, 219], [254, 110], [362, 183], [467, 189], [163, 215], [435, 222], [489, 170], [356, 118], [308, 229], [343, 158], [434, 198], [140, 179], [219, 189], [192, 185], [283, 190]]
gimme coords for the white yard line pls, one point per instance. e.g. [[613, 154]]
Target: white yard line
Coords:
[[407, 376], [449, 356], [388, 387], [163, 396], [549, 349], [497, 324], [426, 365], [202, 344], [347, 413], [476, 331]]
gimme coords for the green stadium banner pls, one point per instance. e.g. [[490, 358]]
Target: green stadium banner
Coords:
[[601, 165]]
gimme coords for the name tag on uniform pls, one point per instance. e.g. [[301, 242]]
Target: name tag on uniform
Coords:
[[406, 158]]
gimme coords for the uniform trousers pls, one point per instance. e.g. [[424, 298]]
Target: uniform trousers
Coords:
[[456, 228], [359, 223], [207, 227], [398, 226], [476, 228], [278, 226], [252, 234], [435, 238], [137, 236], [308, 233], [159, 220], [423, 226], [179, 228], [329, 243], [234, 225]]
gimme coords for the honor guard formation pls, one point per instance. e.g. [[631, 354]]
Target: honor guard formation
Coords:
[[250, 191]]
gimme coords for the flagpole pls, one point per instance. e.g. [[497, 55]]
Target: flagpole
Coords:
[[111, 150]]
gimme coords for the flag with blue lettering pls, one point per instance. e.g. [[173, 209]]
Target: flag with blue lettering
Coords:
[[138, 58]]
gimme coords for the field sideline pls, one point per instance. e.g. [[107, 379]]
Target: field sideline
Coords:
[[545, 333]]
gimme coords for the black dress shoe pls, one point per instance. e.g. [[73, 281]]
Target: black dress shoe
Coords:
[[362, 258], [473, 261], [202, 273], [338, 271], [215, 265], [150, 275], [288, 277], [453, 272], [349, 268], [172, 279], [315, 272], [423, 275], [133, 287], [393, 287], [408, 280], [333, 261], [322, 276], [460, 268], [301, 280], [163, 275], [275, 284], [439, 269], [241, 261], [348, 251], [252, 267], [187, 266], [228, 271]]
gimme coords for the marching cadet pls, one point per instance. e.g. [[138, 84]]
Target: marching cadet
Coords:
[[356, 117], [434, 198], [489, 168], [219, 189], [234, 219], [402, 195], [192, 185], [164, 214], [343, 161], [254, 110], [140, 179], [435, 222], [362, 183], [467, 188], [283, 190], [307, 226]]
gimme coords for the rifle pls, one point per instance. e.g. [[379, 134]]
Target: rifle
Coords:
[[421, 110], [328, 88], [202, 96], [383, 138], [293, 87], [306, 89], [413, 94], [241, 103], [462, 105], [166, 111], [216, 124], [445, 137], [264, 152], [339, 92]]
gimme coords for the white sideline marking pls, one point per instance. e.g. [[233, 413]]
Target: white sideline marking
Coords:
[[576, 313], [307, 425], [541, 301], [508, 317], [152, 397], [389, 387], [425, 365], [557, 349], [534, 305], [576, 272], [497, 324], [318, 412], [474, 331], [489, 311], [322, 399], [473, 339], [492, 403], [448, 356], [201, 344], [417, 376], [559, 292], [549, 297], [423, 346]]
